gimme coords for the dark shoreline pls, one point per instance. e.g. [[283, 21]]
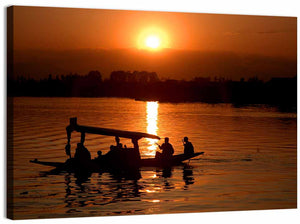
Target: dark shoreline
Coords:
[[145, 86]]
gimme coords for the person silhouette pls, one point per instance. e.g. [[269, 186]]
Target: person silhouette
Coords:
[[118, 144], [82, 154], [167, 149], [188, 146]]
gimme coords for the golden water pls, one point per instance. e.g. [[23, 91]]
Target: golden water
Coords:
[[249, 161]]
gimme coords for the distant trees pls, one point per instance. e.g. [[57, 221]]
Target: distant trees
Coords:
[[74, 85], [143, 85], [86, 86], [134, 77]]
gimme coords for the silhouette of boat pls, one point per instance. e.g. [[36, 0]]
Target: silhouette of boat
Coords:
[[118, 158]]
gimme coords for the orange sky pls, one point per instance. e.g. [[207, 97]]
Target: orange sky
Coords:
[[63, 40], [64, 28]]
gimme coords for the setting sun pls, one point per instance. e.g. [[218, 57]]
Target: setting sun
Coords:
[[152, 42], [153, 38]]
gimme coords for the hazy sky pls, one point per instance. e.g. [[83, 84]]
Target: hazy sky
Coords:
[[59, 29]]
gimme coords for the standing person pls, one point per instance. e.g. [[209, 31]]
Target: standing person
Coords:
[[188, 146], [118, 144], [167, 149]]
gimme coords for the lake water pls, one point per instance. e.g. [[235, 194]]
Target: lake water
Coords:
[[250, 159]]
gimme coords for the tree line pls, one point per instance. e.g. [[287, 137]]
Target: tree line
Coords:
[[281, 92]]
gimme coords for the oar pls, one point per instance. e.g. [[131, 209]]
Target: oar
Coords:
[[157, 145]]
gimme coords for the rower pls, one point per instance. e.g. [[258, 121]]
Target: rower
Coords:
[[167, 149], [188, 146]]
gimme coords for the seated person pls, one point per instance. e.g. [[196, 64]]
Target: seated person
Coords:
[[118, 145], [188, 146], [99, 155], [82, 154], [167, 149]]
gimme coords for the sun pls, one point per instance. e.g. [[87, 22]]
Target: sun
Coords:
[[152, 41]]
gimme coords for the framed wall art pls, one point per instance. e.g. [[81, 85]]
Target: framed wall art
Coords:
[[121, 112]]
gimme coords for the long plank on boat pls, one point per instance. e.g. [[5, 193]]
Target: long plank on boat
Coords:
[[106, 131], [114, 132]]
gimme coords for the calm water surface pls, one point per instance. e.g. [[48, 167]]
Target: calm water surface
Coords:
[[249, 161]]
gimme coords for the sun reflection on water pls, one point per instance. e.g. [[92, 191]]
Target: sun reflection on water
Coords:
[[152, 112]]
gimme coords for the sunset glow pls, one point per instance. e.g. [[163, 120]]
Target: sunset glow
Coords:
[[174, 45]]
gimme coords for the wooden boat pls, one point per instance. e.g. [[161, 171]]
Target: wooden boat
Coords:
[[117, 158]]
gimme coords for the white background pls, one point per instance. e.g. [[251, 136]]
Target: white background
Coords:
[[246, 7]]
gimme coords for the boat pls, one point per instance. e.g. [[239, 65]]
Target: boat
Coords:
[[118, 157]]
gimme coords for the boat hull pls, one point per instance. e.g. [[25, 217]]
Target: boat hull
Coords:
[[173, 161], [95, 166]]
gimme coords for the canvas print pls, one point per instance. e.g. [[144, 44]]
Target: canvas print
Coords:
[[118, 112]]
